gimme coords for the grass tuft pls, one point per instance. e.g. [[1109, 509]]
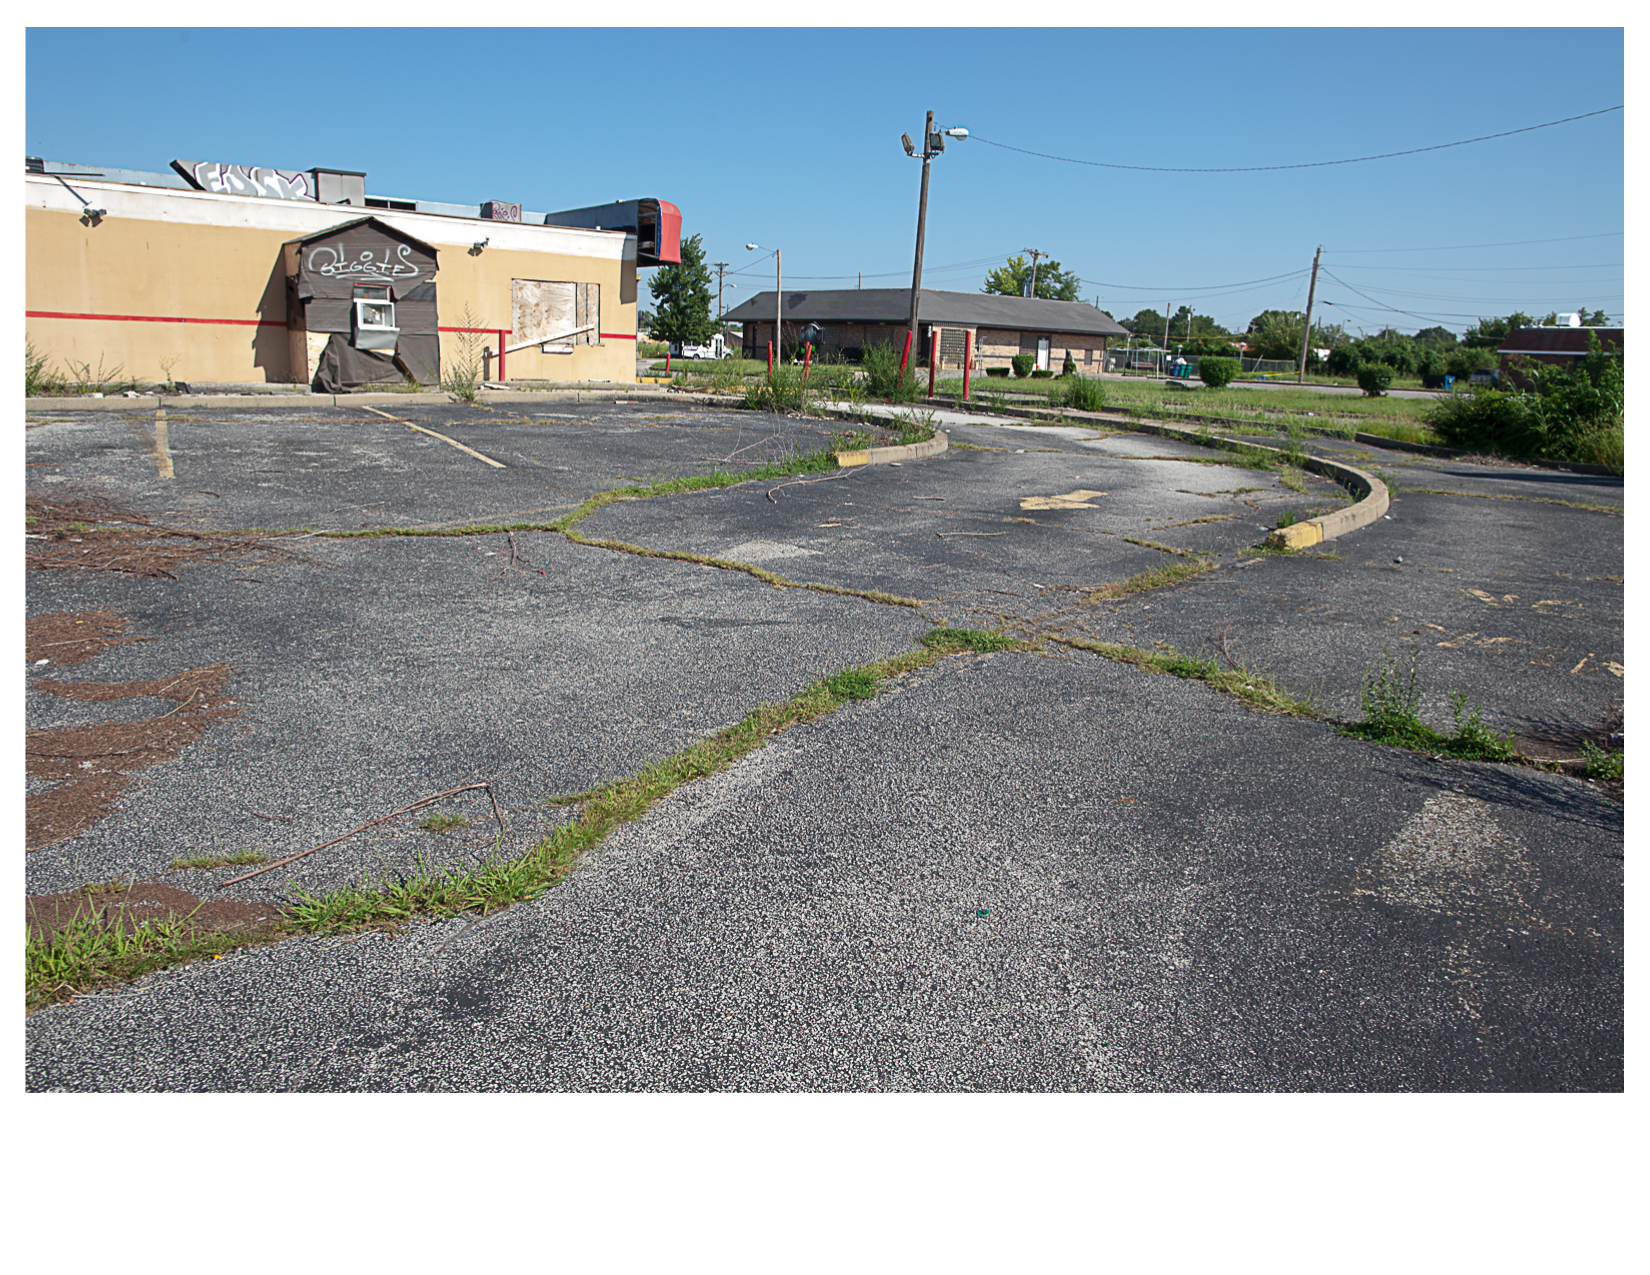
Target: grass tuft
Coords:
[[243, 858], [947, 640]]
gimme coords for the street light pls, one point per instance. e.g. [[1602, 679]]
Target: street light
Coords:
[[778, 344], [933, 143]]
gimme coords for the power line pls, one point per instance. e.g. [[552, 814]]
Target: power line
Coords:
[[1273, 168], [1206, 289], [1591, 265], [1508, 243]]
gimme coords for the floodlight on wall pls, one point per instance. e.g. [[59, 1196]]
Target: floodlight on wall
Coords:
[[93, 215], [481, 243]]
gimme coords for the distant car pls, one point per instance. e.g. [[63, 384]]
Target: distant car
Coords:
[[1487, 376], [715, 348]]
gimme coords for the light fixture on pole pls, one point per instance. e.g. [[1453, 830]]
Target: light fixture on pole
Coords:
[[933, 143], [778, 344]]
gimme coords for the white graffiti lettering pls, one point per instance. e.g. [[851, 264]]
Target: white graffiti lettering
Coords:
[[267, 183], [365, 268]]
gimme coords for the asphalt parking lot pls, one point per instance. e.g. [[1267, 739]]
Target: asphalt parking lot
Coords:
[[1022, 871]]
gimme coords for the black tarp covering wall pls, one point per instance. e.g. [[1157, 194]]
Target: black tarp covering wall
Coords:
[[330, 266]]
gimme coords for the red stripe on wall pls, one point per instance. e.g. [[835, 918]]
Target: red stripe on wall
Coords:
[[155, 318], [618, 336]]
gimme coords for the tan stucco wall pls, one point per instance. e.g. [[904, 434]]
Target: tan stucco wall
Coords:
[[138, 265]]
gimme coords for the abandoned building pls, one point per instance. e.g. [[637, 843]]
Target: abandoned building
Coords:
[[993, 328], [1563, 345], [216, 273]]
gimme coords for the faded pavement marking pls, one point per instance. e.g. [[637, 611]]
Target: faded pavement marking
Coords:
[[160, 450], [452, 442], [1071, 500]]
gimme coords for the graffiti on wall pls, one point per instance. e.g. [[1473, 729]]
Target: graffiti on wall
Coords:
[[364, 267], [264, 183]]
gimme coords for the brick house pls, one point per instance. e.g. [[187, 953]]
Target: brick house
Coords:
[[845, 321]]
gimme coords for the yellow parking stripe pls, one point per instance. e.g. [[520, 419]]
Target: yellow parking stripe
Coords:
[[496, 464]]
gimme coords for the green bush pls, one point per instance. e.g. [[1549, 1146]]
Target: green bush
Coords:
[[1218, 372], [1069, 367], [1023, 363], [1374, 379], [1463, 362], [1084, 395], [1343, 360], [1041, 373], [997, 371], [880, 363]]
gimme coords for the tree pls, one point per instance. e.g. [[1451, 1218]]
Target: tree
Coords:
[[683, 293], [1149, 323], [1489, 333], [1435, 338], [1053, 283]]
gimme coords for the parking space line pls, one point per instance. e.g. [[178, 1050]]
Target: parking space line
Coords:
[[496, 464]]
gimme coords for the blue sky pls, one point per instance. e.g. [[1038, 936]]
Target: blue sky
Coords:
[[790, 137]]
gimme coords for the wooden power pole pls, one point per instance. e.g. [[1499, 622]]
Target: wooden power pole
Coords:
[[1306, 334], [1036, 253], [928, 153]]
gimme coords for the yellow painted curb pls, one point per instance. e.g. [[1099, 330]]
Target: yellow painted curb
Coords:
[[888, 455], [1300, 535]]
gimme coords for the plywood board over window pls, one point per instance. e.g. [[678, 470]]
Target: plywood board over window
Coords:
[[543, 310]]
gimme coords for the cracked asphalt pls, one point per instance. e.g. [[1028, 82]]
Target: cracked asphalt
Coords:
[[1027, 871]]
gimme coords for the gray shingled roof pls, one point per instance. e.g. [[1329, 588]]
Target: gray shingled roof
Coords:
[[893, 305]]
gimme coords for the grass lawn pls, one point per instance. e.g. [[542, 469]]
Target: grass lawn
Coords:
[[1400, 418]]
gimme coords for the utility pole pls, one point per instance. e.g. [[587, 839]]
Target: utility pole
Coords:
[[1035, 254], [721, 268], [1306, 333], [929, 138]]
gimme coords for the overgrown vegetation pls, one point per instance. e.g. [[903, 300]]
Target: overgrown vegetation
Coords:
[[1391, 708], [883, 377], [1573, 413], [38, 378], [1082, 394], [1601, 765], [463, 375]]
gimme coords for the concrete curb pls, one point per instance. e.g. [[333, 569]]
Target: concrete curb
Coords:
[[1373, 498], [893, 455]]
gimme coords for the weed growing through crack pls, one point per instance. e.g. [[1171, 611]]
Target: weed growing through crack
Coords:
[[443, 821], [854, 683], [1391, 708], [1608, 766], [1254, 689], [947, 640], [205, 862]]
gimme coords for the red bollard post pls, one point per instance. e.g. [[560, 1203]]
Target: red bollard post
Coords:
[[933, 359], [667, 360], [770, 360], [905, 357], [968, 359], [807, 357]]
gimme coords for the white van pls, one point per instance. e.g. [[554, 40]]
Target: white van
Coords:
[[715, 348]]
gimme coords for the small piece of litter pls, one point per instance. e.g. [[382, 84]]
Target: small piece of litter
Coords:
[[982, 911], [39, 662]]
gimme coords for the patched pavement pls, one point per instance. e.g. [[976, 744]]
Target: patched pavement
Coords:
[[1189, 894]]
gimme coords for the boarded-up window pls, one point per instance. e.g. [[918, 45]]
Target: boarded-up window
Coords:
[[558, 315]]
